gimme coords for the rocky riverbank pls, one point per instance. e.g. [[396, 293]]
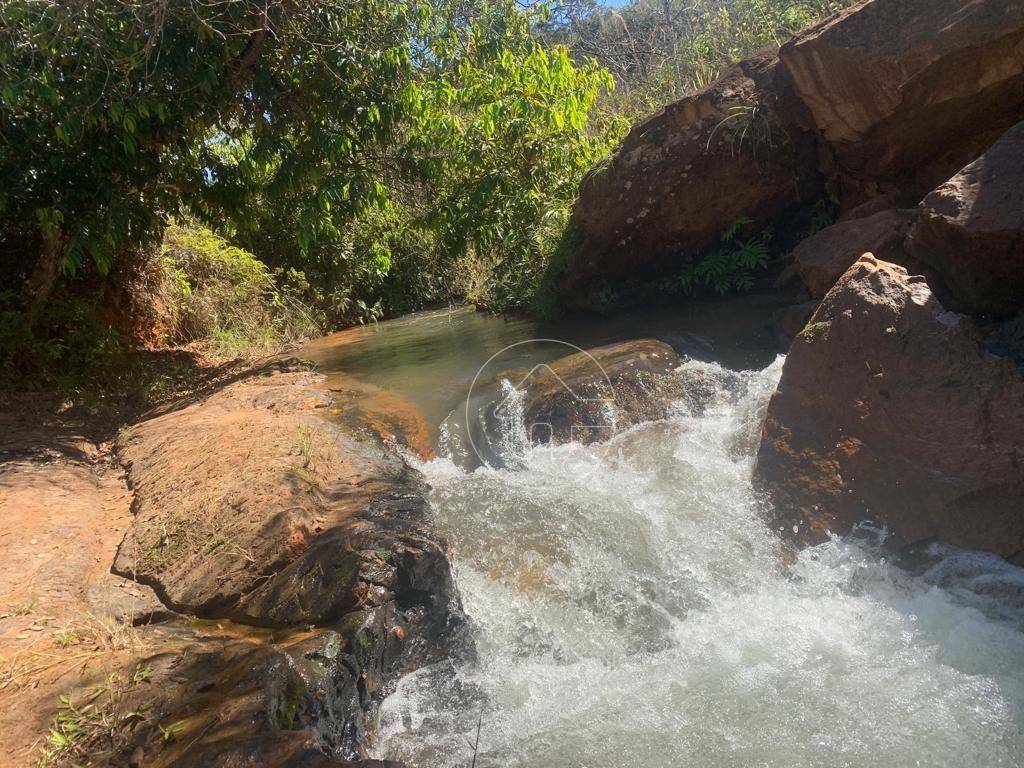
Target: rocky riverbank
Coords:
[[235, 579], [902, 401]]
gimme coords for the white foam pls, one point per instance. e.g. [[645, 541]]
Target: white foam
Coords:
[[631, 611]]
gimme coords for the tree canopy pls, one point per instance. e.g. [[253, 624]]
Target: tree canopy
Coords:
[[281, 121]]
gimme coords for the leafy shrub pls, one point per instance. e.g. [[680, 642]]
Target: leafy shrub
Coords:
[[512, 116], [66, 341], [227, 300]]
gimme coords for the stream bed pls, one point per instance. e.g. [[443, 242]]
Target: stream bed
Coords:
[[632, 609]]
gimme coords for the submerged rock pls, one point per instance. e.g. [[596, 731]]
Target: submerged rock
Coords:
[[971, 231], [589, 396], [891, 410]]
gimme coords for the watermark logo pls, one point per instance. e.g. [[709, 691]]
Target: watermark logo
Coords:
[[501, 401]]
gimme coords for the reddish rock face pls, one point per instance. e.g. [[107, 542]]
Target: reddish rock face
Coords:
[[686, 173], [905, 92], [890, 410], [822, 259], [971, 231], [250, 505], [884, 100]]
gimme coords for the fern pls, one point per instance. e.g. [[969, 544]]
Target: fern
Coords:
[[732, 265]]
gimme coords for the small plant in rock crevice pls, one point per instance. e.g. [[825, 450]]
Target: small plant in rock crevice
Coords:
[[731, 266], [95, 723]]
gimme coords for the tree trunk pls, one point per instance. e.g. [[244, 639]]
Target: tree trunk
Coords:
[[43, 276]]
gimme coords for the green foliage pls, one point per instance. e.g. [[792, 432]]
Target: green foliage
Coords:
[[346, 141], [224, 298], [119, 114], [363, 158], [66, 341], [731, 266], [504, 132], [95, 724], [658, 55]]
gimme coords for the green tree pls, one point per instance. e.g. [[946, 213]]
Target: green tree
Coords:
[[506, 134], [321, 136], [117, 114]]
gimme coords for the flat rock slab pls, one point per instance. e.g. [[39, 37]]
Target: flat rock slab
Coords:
[[251, 504]]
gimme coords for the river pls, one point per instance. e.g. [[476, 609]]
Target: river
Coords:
[[632, 609]]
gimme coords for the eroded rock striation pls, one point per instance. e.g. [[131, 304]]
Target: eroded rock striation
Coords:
[[891, 410], [905, 92]]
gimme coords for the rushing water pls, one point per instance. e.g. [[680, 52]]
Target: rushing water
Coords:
[[631, 609]]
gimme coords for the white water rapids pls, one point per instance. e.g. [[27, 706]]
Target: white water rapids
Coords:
[[631, 609]]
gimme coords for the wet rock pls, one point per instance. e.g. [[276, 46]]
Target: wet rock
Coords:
[[249, 505], [891, 410], [821, 259], [906, 92], [971, 231], [685, 174], [303, 700], [589, 396]]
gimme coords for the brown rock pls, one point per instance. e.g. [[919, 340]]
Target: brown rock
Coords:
[[306, 701], [588, 396], [248, 505], [905, 92], [890, 410], [822, 258], [971, 231], [685, 174], [885, 100]]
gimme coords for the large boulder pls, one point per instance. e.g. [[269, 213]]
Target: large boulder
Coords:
[[891, 410], [685, 174], [251, 505], [878, 104], [971, 231], [589, 396], [821, 259], [905, 92]]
